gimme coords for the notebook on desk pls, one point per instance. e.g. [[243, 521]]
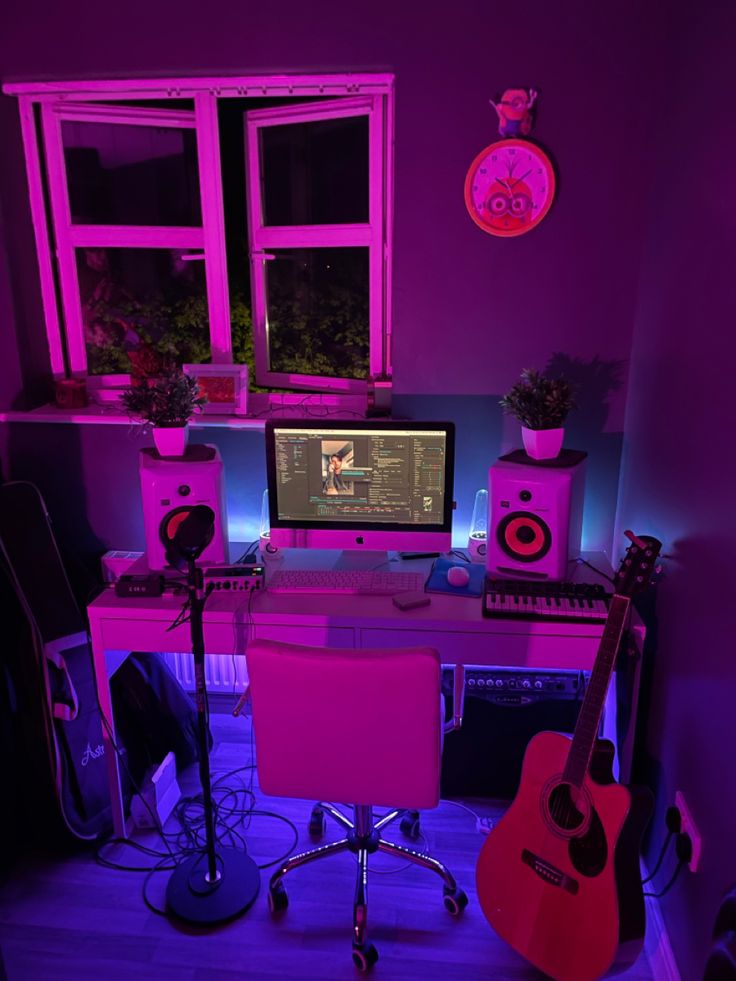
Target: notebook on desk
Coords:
[[437, 582]]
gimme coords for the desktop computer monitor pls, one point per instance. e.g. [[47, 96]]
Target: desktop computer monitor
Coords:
[[384, 485]]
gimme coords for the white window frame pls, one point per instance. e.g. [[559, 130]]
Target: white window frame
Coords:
[[208, 238], [372, 93]]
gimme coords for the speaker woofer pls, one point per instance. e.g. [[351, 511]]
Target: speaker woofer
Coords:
[[171, 521], [524, 536]]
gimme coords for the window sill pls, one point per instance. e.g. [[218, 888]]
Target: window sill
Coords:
[[262, 407]]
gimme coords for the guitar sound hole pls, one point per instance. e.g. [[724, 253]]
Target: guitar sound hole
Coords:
[[563, 810], [589, 852]]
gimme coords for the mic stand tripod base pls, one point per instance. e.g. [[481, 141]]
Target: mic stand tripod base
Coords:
[[190, 897]]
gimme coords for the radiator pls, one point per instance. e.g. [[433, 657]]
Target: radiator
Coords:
[[222, 673]]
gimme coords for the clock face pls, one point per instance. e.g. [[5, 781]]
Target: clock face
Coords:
[[509, 187]]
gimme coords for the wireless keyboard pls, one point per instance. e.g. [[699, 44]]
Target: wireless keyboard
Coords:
[[363, 582]]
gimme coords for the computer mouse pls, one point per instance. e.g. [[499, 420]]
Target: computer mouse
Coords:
[[457, 576]]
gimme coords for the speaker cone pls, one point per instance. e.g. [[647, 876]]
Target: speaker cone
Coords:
[[171, 521], [524, 536]]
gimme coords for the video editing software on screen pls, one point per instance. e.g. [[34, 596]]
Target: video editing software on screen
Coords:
[[360, 475]]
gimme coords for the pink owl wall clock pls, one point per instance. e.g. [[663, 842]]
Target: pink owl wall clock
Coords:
[[510, 185]]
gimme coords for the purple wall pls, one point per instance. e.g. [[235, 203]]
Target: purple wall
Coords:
[[470, 310], [679, 469]]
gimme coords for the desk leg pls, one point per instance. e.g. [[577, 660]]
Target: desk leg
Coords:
[[102, 682]]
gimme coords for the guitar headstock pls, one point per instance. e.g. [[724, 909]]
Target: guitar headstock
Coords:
[[638, 565]]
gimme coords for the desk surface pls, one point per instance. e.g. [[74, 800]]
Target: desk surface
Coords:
[[454, 624]]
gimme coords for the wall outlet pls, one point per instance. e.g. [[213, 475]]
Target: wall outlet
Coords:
[[688, 826]]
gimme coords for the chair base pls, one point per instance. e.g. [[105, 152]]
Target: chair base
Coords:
[[363, 838]]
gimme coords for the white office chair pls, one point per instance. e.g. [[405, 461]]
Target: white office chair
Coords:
[[350, 725]]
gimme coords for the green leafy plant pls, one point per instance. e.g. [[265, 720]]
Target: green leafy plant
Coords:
[[165, 400], [331, 341], [539, 402]]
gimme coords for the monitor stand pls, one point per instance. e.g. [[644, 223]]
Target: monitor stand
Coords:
[[356, 559]]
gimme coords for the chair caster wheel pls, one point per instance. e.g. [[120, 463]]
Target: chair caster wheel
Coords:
[[278, 899], [364, 957], [455, 902], [409, 825], [317, 823]]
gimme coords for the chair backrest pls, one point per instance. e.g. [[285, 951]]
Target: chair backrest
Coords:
[[357, 726]]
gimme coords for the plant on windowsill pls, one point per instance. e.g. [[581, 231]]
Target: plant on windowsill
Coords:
[[166, 402], [541, 405]]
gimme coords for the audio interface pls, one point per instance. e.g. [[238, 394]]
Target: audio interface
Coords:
[[235, 578]]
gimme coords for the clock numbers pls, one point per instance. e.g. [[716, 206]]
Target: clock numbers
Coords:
[[506, 196]]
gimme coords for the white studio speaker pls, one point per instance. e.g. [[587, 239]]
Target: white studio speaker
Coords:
[[535, 517], [170, 488]]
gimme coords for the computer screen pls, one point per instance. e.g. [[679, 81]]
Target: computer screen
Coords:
[[373, 485]]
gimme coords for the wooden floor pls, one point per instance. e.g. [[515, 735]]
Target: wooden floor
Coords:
[[71, 919]]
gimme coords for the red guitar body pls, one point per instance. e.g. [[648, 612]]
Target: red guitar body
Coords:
[[547, 874]]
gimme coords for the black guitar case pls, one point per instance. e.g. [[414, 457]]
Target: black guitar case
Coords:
[[52, 754], [56, 768]]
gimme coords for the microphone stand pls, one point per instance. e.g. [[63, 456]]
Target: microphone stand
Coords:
[[220, 883]]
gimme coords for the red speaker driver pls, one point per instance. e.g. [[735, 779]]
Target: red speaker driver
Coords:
[[524, 536], [171, 521]]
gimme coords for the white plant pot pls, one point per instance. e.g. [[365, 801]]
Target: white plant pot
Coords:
[[542, 444], [171, 440]]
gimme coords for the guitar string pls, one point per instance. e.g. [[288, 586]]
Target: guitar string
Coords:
[[563, 807]]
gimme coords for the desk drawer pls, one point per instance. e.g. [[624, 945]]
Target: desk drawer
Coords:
[[219, 638], [316, 636], [515, 650]]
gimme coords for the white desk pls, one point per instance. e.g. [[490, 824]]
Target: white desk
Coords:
[[453, 625]]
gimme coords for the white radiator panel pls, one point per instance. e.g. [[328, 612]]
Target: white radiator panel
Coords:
[[222, 673]]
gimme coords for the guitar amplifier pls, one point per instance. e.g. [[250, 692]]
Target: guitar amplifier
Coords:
[[504, 709]]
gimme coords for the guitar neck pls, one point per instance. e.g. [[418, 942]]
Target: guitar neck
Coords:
[[591, 712]]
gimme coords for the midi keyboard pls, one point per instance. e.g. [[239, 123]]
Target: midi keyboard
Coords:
[[551, 602]]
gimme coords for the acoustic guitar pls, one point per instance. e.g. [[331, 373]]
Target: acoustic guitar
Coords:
[[558, 877]]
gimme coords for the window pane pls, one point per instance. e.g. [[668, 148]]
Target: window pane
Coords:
[[318, 311], [131, 175], [141, 299], [316, 173]]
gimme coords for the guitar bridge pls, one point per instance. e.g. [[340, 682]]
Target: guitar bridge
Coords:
[[550, 873]]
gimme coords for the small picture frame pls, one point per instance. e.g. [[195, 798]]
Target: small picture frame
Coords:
[[224, 385]]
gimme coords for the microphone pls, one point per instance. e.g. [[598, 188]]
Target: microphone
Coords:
[[211, 883]]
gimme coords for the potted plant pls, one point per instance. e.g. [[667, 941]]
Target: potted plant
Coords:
[[541, 405], [166, 402]]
